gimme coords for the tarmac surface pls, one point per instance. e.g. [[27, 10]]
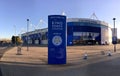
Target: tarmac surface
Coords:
[[34, 62]]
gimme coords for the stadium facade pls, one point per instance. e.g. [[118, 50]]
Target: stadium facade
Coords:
[[80, 31], [37, 37]]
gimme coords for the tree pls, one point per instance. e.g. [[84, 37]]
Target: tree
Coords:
[[13, 40], [16, 40]]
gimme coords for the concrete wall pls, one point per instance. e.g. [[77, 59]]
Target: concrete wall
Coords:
[[106, 35]]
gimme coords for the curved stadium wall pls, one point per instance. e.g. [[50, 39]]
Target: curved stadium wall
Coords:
[[87, 31], [80, 31]]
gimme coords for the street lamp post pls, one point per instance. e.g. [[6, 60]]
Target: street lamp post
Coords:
[[114, 35], [27, 34], [15, 34]]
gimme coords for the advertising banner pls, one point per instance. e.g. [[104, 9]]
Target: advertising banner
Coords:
[[114, 40], [56, 39]]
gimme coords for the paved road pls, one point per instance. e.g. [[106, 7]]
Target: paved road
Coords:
[[110, 66], [105, 66], [3, 49]]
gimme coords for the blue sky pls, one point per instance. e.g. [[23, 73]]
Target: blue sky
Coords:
[[15, 12]]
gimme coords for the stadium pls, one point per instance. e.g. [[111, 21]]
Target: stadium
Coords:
[[88, 31], [80, 31]]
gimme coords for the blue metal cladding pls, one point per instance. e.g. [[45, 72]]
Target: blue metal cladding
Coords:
[[82, 27], [47, 35], [69, 35], [56, 39], [76, 37], [86, 29], [33, 37], [24, 38], [37, 36], [69, 40]]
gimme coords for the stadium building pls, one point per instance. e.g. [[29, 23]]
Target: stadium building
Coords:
[[88, 31], [80, 31], [37, 37]]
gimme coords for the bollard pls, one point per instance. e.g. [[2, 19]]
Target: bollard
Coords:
[[102, 52], [19, 50], [109, 53], [85, 56]]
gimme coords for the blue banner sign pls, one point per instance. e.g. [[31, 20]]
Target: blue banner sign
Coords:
[[114, 40], [56, 39]]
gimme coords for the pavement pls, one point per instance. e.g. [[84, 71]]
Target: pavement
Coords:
[[38, 55], [34, 55], [34, 62]]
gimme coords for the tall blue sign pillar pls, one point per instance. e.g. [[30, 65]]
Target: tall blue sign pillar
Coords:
[[56, 39]]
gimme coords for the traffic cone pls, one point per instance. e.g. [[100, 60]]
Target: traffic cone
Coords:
[[109, 53], [85, 56]]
